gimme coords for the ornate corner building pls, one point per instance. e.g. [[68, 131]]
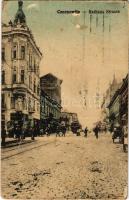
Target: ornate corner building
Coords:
[[20, 73]]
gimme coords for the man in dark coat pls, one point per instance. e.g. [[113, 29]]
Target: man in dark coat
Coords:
[[96, 131], [32, 130], [85, 132]]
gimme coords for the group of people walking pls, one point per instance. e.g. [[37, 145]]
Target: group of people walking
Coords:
[[18, 133]]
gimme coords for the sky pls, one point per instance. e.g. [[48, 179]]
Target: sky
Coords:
[[84, 57]]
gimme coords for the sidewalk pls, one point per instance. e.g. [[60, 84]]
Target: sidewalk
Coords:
[[11, 142]]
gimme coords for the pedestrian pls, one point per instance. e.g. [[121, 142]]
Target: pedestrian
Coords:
[[125, 137], [17, 133], [48, 130], [63, 131], [23, 133], [32, 133], [63, 128], [85, 132], [96, 131], [58, 130], [41, 132], [3, 136]]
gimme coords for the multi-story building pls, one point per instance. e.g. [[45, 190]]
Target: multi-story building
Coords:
[[50, 96], [118, 105], [114, 109], [124, 102], [20, 72], [48, 106], [51, 85], [113, 87]]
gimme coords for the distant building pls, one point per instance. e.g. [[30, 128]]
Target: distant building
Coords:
[[69, 117], [118, 106], [51, 85], [48, 106], [113, 87], [50, 96], [114, 109], [124, 102], [20, 72]]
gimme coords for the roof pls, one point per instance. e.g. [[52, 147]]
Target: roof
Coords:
[[50, 75], [20, 16], [124, 84]]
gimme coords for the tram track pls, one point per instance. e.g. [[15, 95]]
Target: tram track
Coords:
[[16, 147], [25, 150]]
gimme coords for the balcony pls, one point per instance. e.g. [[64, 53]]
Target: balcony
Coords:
[[19, 89], [31, 110], [19, 85]]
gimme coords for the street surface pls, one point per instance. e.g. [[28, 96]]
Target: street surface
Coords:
[[68, 167]]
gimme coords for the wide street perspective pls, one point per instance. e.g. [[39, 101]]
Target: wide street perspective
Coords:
[[70, 167], [64, 100]]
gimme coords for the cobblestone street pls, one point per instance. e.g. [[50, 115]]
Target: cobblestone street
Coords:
[[68, 167]]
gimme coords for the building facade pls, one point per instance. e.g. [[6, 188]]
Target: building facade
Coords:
[[118, 106], [124, 102], [20, 72], [50, 100], [107, 98], [48, 106], [114, 109]]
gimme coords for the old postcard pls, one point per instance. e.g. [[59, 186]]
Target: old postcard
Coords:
[[64, 99]]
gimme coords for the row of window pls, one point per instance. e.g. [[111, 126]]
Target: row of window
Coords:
[[32, 106], [14, 52], [32, 85], [32, 61], [47, 108], [14, 77]]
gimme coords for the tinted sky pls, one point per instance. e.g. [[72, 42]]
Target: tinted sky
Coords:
[[84, 60]]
